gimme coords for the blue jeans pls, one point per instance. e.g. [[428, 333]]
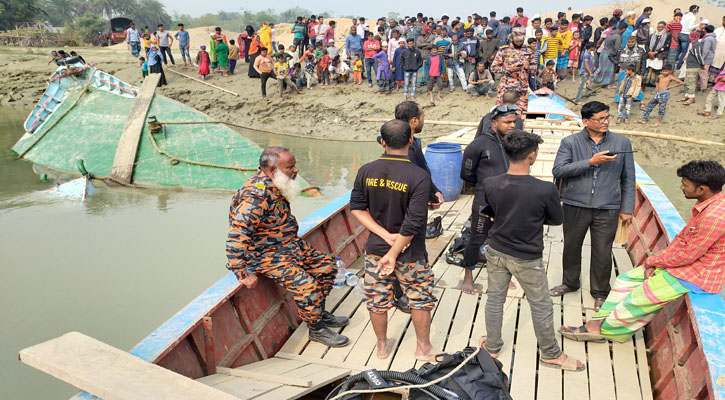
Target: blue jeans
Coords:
[[683, 42], [409, 78], [232, 65], [371, 68], [625, 105], [185, 53]]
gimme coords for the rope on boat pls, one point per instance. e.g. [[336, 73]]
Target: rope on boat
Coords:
[[409, 387], [60, 118], [175, 160], [332, 139]]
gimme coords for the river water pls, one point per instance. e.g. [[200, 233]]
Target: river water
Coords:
[[119, 264]]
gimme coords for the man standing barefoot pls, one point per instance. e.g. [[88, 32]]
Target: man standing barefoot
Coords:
[[390, 199]]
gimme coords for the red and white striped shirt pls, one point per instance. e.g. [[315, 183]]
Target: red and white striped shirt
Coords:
[[697, 254]]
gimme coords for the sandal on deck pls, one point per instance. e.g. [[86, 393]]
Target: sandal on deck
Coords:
[[598, 304], [571, 364], [560, 290], [580, 334]]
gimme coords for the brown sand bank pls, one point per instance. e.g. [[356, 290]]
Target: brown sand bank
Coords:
[[334, 111]]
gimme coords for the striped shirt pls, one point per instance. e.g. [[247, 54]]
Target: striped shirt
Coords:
[[697, 254], [674, 28]]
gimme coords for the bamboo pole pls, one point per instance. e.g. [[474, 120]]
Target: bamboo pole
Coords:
[[428, 121], [202, 82], [534, 124]]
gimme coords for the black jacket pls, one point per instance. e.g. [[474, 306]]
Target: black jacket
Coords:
[[485, 124], [411, 60], [483, 158]]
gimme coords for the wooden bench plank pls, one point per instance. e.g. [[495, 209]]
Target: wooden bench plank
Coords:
[[551, 380], [125, 157], [625, 371], [576, 384], [346, 309], [441, 320], [359, 320], [525, 357], [319, 378], [265, 377], [462, 323], [601, 379], [110, 373], [245, 389]]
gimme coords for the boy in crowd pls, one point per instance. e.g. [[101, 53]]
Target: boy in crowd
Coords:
[[717, 90], [434, 67], [662, 95], [520, 206], [357, 66], [547, 76], [586, 72], [693, 66], [184, 44], [628, 90], [144, 67], [281, 70]]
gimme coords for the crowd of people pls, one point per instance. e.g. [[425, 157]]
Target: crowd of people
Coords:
[[483, 55]]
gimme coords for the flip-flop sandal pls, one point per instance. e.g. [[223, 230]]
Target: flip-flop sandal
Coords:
[[569, 365], [715, 116], [560, 290], [483, 346], [581, 334], [598, 303], [704, 113]]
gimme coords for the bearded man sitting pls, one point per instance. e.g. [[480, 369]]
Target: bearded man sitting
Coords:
[[263, 240]]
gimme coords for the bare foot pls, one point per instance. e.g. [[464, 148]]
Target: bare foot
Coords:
[[512, 285], [642, 122], [715, 117], [483, 344], [429, 355], [467, 287], [656, 124], [386, 349]]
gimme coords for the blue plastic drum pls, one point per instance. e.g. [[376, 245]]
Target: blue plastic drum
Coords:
[[444, 161]]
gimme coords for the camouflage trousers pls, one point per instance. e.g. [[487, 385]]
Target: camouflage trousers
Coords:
[[302, 271], [415, 278]]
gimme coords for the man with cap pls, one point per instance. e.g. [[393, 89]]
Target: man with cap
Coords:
[[642, 33], [514, 63], [482, 159], [424, 43]]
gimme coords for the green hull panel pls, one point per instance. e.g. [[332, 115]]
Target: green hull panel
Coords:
[[91, 131]]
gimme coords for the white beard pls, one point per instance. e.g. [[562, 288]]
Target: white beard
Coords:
[[290, 188]]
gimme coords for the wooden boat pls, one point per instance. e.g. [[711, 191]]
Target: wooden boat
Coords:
[[248, 344], [78, 125]]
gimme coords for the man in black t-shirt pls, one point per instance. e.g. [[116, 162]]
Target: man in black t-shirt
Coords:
[[390, 199], [520, 206]]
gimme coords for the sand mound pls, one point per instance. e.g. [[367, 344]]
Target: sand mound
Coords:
[[662, 10]]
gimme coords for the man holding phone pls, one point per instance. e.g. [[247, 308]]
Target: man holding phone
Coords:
[[597, 190]]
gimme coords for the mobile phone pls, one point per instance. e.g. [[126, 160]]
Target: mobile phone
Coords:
[[614, 153], [487, 210]]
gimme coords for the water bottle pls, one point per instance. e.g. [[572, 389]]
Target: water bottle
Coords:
[[358, 290], [339, 282]]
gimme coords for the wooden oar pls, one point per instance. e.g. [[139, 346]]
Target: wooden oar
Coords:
[[534, 124], [202, 82]]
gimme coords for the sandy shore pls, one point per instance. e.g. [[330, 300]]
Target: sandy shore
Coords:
[[334, 111]]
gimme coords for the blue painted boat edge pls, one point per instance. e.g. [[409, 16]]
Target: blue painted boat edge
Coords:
[[170, 332], [709, 309]]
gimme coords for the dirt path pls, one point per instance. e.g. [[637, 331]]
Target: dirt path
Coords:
[[334, 111]]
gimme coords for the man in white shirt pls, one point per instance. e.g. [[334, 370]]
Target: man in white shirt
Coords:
[[362, 27], [531, 29], [320, 29], [690, 23]]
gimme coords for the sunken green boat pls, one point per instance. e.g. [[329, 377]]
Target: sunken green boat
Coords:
[[89, 123]]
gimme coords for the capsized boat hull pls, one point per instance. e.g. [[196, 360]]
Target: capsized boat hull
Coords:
[[89, 130]]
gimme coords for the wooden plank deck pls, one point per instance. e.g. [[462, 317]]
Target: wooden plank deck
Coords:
[[614, 371]]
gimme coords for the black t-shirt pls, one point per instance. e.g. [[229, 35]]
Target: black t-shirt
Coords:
[[395, 191], [522, 206]]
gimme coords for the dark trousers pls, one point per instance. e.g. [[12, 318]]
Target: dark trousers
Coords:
[[602, 226], [265, 76], [164, 52], [480, 224], [232, 65]]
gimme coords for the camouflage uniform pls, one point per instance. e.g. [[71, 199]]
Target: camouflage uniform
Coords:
[[263, 239], [507, 58], [416, 278]]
